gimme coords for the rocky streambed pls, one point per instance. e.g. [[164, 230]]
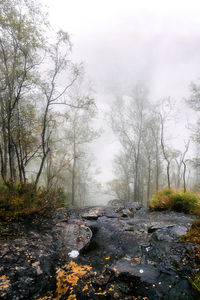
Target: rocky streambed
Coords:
[[118, 252]]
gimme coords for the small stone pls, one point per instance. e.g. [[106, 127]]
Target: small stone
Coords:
[[38, 268], [116, 296], [73, 254]]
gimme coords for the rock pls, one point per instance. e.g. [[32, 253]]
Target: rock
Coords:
[[141, 212], [115, 202], [100, 254], [72, 236], [73, 254], [90, 216], [179, 230], [127, 213], [144, 272], [38, 268], [159, 225], [133, 205], [172, 229]]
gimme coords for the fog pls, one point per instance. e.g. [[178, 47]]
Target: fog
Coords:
[[122, 43]]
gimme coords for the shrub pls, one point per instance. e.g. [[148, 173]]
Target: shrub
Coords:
[[52, 198], [25, 199], [197, 209], [161, 200], [197, 223], [184, 202], [168, 199]]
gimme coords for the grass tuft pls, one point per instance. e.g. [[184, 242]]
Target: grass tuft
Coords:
[[195, 281], [161, 200], [169, 199]]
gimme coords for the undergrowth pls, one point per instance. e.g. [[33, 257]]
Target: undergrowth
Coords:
[[193, 236], [169, 199], [18, 200], [195, 281]]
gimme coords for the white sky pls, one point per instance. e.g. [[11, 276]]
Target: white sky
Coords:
[[122, 42]]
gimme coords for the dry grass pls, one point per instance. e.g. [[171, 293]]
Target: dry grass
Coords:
[[24, 200], [169, 199]]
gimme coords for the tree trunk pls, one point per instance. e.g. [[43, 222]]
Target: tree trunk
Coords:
[[136, 192], [45, 146], [184, 174], [168, 175], [73, 180], [157, 158], [157, 169], [149, 179], [164, 153]]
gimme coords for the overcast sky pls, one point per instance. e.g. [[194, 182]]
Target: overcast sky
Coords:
[[122, 42]]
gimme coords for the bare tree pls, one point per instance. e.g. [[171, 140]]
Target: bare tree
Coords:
[[165, 114], [50, 90], [155, 133], [184, 162]]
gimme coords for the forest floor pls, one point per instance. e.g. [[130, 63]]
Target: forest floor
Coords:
[[118, 252]]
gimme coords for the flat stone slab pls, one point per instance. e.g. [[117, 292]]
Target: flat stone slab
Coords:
[[73, 236], [144, 272], [92, 214], [179, 230], [159, 225]]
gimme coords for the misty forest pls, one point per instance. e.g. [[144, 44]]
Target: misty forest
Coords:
[[128, 232]]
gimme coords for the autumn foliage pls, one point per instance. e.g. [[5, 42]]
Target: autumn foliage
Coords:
[[18, 199]]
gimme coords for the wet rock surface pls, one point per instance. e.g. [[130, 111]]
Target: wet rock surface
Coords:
[[118, 252]]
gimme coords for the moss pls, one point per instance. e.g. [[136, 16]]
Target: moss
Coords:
[[195, 281]]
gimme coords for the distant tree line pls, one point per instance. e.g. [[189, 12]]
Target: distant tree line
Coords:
[[147, 160]]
